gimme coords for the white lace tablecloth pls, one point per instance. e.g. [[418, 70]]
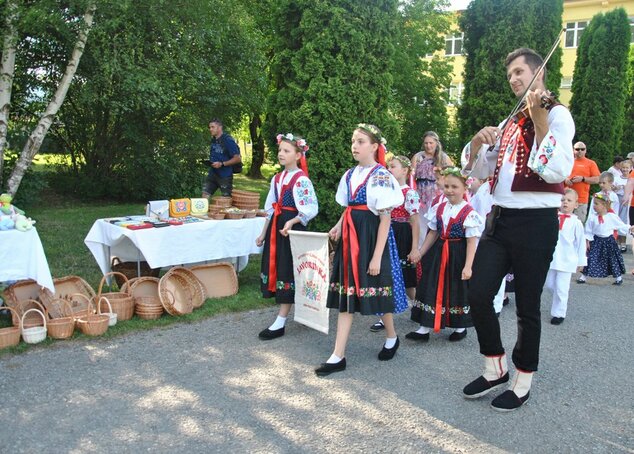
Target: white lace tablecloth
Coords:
[[22, 257], [176, 245]]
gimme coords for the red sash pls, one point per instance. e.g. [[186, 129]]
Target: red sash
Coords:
[[351, 246], [444, 260], [278, 207]]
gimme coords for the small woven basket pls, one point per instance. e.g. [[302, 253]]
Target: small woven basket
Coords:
[[65, 287], [10, 336], [112, 316], [93, 324], [131, 270], [121, 303], [33, 319], [183, 293], [63, 327], [218, 216], [199, 295], [80, 305], [234, 214], [250, 214], [35, 334]]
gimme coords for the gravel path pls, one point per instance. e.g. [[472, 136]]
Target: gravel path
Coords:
[[213, 386]]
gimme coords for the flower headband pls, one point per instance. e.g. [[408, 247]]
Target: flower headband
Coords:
[[403, 160], [374, 131], [602, 197], [454, 171], [297, 141]]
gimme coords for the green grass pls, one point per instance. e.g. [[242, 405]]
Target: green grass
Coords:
[[63, 224]]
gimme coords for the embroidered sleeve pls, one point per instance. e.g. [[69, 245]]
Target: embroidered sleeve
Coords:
[[270, 199], [383, 192], [342, 191], [474, 224], [305, 200], [412, 202], [553, 159]]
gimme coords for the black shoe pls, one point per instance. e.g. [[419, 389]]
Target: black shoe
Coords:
[[508, 401], [268, 334], [556, 320], [388, 353], [623, 248], [329, 368], [481, 386], [617, 282], [456, 336], [378, 326], [417, 336], [505, 301], [497, 314], [581, 281]]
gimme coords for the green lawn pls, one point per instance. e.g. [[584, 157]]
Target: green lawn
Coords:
[[63, 224]]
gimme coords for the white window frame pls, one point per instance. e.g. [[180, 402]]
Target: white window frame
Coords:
[[576, 31], [454, 97], [454, 38]]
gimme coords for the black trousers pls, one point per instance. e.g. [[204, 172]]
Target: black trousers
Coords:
[[524, 240]]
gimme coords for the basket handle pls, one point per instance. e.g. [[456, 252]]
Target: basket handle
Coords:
[[32, 310], [88, 302], [63, 304], [99, 305], [13, 312], [37, 303], [112, 273]]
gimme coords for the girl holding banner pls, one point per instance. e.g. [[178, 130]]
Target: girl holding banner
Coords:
[[366, 275], [290, 204]]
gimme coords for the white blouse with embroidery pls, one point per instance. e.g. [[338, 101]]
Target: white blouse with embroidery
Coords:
[[473, 223], [412, 200], [611, 222], [383, 191], [303, 195]]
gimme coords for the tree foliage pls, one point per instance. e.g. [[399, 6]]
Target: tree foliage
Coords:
[[332, 69], [599, 84], [493, 29], [627, 143], [420, 84]]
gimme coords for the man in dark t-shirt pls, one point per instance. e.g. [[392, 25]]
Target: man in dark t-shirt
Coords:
[[223, 154]]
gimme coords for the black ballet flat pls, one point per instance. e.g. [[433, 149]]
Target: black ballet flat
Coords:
[[388, 353], [268, 334], [329, 368], [417, 336], [455, 336]]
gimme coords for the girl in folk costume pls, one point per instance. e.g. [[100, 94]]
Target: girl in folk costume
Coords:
[[366, 274], [442, 292], [570, 253], [604, 256], [290, 204], [405, 221]]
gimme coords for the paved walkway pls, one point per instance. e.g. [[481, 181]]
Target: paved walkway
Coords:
[[214, 387]]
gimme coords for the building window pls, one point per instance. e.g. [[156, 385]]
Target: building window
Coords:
[[453, 44], [574, 31], [455, 94], [566, 82]]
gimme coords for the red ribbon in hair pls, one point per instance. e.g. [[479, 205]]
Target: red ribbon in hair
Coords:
[[303, 164], [380, 155]]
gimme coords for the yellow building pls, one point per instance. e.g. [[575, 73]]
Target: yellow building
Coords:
[[576, 16]]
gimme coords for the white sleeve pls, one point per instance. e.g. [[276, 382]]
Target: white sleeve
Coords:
[[412, 202], [383, 192], [553, 159], [485, 163], [589, 231], [270, 199], [430, 217], [615, 202], [305, 200], [342, 191], [621, 227], [473, 224], [580, 244]]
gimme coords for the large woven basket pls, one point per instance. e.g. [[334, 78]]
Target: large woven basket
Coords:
[[35, 334], [122, 302], [178, 293], [65, 287], [93, 325], [218, 279], [189, 275], [33, 319], [246, 200], [131, 270], [27, 289], [63, 327], [220, 202], [10, 336]]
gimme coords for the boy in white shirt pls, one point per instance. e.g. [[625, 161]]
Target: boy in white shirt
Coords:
[[569, 255]]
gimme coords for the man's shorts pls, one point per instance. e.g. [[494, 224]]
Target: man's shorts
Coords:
[[213, 183]]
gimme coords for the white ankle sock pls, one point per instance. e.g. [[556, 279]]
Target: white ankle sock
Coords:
[[582, 277], [423, 330], [618, 279], [390, 342], [334, 359], [278, 323], [459, 330]]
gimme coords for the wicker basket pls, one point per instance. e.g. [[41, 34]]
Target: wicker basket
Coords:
[[190, 276], [246, 200], [218, 279], [36, 334], [221, 201], [250, 214], [33, 319], [22, 290], [112, 316], [9, 336], [183, 293], [234, 214], [93, 325], [147, 302], [121, 303], [131, 270], [261, 213], [80, 305], [63, 327], [65, 287], [218, 216]]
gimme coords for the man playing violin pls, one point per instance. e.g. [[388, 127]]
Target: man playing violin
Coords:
[[529, 157]]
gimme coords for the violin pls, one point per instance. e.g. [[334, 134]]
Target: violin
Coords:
[[547, 101]]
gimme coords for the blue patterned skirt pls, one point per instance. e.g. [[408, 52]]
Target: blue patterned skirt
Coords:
[[604, 258]]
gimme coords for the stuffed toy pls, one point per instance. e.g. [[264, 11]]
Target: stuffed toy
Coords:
[[22, 223], [6, 223], [6, 208]]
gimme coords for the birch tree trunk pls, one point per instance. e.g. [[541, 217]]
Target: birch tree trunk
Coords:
[[34, 142], [6, 76]]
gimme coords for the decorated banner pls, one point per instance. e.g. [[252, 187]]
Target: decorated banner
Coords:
[[312, 274]]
